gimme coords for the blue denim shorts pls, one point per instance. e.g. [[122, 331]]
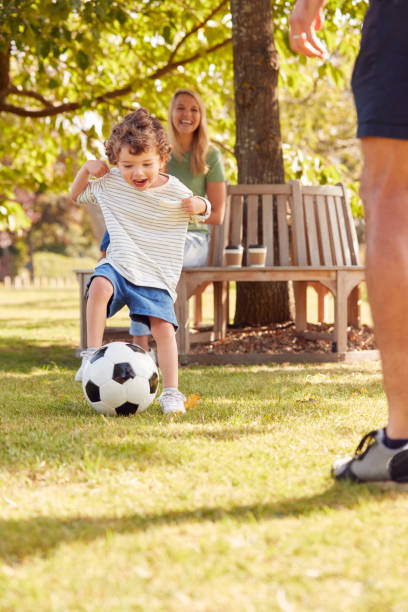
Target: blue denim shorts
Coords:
[[196, 252], [143, 302], [380, 76]]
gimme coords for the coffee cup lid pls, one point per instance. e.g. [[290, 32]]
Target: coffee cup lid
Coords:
[[257, 246], [233, 246]]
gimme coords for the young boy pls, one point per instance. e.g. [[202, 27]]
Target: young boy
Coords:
[[146, 214]]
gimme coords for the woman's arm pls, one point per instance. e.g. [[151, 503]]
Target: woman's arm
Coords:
[[216, 193]]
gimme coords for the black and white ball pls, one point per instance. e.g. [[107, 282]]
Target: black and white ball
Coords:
[[120, 379]]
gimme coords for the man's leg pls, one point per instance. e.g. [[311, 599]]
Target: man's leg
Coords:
[[383, 455], [384, 190]]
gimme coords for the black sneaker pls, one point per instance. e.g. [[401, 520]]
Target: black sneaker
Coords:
[[374, 462]]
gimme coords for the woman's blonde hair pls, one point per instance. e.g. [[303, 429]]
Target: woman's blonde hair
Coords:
[[201, 142]]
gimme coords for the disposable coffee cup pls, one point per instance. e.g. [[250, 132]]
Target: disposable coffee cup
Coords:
[[233, 255], [256, 255]]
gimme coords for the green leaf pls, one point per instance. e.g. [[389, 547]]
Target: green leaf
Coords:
[[43, 47], [53, 83], [82, 60], [167, 34]]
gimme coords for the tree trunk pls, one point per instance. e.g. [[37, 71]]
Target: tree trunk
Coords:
[[258, 147]]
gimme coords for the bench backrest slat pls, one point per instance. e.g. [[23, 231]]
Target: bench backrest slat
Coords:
[[324, 236], [311, 231], [300, 225], [283, 230], [334, 233], [268, 233], [220, 237], [236, 219], [252, 219], [342, 231], [350, 228]]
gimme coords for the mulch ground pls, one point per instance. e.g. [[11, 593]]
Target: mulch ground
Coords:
[[281, 338], [276, 338]]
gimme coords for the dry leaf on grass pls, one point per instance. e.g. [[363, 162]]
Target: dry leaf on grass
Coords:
[[192, 401]]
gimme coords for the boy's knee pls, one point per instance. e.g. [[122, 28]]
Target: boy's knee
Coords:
[[161, 329], [101, 287]]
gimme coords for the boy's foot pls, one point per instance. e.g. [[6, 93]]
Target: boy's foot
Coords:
[[172, 401], [374, 462], [86, 355]]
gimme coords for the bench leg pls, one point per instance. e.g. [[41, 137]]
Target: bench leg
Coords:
[[220, 309], [354, 307], [340, 314], [198, 307], [299, 290]]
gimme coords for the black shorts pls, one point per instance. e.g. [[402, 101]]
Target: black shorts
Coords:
[[380, 76]]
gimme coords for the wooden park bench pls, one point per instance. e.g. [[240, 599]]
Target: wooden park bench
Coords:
[[315, 243]]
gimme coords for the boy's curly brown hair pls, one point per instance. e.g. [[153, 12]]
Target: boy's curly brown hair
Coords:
[[139, 131]]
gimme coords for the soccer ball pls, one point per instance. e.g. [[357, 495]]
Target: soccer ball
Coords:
[[120, 379]]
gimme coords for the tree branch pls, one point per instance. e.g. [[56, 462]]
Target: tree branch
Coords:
[[195, 29], [28, 93], [169, 67], [62, 108], [51, 111]]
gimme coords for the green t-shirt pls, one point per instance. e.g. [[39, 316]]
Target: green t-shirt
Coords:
[[198, 184]]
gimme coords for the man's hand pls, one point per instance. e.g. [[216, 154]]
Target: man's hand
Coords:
[[305, 20]]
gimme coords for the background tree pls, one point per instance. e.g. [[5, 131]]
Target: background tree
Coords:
[[70, 69], [258, 147]]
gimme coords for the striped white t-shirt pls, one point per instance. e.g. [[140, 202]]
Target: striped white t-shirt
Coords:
[[147, 229]]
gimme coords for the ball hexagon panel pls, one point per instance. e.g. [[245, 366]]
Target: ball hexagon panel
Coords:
[[122, 372]]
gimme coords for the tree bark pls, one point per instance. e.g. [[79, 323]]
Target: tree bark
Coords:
[[4, 73], [258, 146]]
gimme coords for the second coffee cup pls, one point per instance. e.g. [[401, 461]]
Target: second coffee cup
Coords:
[[256, 255]]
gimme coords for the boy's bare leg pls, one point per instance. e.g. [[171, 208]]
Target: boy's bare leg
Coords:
[[142, 341], [100, 292], [167, 355], [384, 190]]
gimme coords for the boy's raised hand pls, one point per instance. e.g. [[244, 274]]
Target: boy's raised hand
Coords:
[[96, 168], [93, 167]]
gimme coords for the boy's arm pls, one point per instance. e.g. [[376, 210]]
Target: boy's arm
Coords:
[[197, 206], [90, 168]]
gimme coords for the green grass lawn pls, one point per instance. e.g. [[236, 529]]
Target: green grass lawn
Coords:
[[229, 507]]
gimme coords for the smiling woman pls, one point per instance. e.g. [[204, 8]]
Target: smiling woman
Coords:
[[194, 161]]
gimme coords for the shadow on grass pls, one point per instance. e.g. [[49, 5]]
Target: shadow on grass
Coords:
[[19, 356], [20, 539]]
